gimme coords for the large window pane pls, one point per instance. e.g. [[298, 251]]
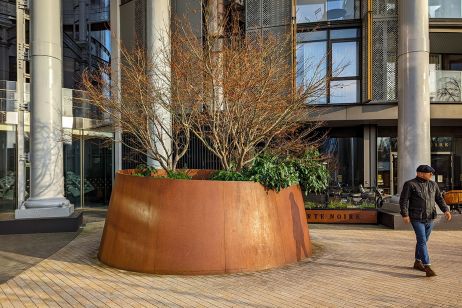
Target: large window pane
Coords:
[[311, 66], [309, 11], [346, 161], [445, 8], [7, 168], [344, 92], [345, 59], [341, 9]]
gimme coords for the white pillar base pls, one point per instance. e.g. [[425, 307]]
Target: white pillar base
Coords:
[[45, 208]]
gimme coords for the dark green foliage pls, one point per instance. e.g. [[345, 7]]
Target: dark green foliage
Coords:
[[272, 172], [337, 204], [143, 170], [313, 175], [178, 175], [277, 173], [226, 175]]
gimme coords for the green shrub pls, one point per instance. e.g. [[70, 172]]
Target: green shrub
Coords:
[[367, 205], [337, 204], [311, 205], [143, 170], [312, 173], [272, 172], [178, 175], [228, 175]]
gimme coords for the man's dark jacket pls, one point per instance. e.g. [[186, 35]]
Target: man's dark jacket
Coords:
[[418, 200]]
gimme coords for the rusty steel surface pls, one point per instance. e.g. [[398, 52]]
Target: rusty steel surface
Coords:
[[342, 216], [166, 226]]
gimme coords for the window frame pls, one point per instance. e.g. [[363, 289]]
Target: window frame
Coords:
[[328, 27]]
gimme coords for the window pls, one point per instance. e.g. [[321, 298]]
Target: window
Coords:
[[334, 55], [309, 11]]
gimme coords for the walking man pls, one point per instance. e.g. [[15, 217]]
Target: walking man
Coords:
[[417, 204]]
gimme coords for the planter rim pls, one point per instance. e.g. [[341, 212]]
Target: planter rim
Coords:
[[153, 178]]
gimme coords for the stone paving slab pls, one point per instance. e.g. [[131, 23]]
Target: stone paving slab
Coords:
[[353, 266]]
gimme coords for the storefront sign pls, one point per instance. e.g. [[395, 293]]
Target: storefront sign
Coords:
[[441, 144], [342, 216]]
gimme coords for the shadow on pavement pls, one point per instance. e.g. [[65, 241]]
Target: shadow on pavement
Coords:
[[18, 252]]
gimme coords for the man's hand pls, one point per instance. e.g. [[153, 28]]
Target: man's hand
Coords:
[[448, 215], [407, 219]]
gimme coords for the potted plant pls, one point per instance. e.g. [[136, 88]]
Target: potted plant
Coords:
[[235, 96]]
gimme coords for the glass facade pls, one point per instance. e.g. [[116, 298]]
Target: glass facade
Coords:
[[334, 55], [445, 9], [445, 78], [309, 11], [345, 161], [86, 152], [88, 164], [446, 159], [7, 167]]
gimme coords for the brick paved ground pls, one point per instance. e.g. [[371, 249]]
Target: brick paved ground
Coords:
[[354, 266]]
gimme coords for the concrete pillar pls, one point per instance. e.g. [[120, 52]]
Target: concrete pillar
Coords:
[[115, 67], [413, 89], [370, 156], [46, 152], [82, 20], [157, 40]]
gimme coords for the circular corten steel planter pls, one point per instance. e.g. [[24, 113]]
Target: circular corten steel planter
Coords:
[[167, 226]]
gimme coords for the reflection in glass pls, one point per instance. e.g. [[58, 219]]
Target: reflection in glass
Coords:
[[97, 170], [445, 8], [346, 160], [345, 59], [311, 65], [309, 11], [344, 92], [7, 168], [72, 181]]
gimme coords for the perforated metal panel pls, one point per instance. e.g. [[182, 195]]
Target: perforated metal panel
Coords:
[[252, 14], [140, 21], [384, 50], [267, 13]]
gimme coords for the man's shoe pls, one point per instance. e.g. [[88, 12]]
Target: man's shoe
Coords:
[[429, 272], [418, 265]]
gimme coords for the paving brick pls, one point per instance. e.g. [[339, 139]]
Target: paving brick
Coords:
[[353, 266]]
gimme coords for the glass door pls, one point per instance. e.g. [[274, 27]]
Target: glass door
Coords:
[[443, 165], [441, 162], [97, 162], [72, 168], [88, 168]]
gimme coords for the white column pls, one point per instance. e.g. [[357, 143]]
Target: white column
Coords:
[[413, 89], [46, 151], [157, 39], [115, 66]]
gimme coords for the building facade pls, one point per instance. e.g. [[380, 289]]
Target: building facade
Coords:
[[361, 103], [87, 155], [359, 106]]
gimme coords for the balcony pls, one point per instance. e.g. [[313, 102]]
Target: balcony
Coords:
[[445, 86], [445, 9]]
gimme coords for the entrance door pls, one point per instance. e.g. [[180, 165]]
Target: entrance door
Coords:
[[443, 165], [442, 162]]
